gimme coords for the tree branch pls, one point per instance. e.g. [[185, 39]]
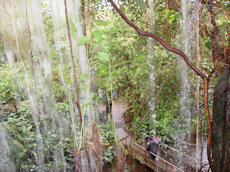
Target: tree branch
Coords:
[[206, 82], [163, 43]]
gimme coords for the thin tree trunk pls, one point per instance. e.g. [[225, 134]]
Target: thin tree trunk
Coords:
[[77, 155], [198, 84], [83, 62], [73, 64]]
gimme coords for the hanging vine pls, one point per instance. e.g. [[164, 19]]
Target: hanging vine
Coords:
[[73, 64], [77, 153]]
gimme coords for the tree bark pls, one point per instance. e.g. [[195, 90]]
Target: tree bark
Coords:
[[197, 83], [221, 123]]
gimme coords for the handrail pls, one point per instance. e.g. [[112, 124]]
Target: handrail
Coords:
[[191, 164], [174, 149], [162, 159], [179, 152], [167, 162]]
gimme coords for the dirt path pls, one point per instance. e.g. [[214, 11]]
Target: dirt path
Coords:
[[118, 109]]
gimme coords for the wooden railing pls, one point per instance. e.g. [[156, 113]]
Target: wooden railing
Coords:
[[160, 164]]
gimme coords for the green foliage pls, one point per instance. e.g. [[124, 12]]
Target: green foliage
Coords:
[[103, 57], [48, 24], [145, 129], [17, 123], [52, 54], [171, 15], [20, 131], [115, 45], [118, 44], [100, 22], [207, 43], [107, 137], [7, 85], [119, 61], [165, 123], [140, 3], [83, 40], [73, 30]]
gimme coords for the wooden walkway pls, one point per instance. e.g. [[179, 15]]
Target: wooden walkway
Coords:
[[138, 151], [159, 165], [162, 163]]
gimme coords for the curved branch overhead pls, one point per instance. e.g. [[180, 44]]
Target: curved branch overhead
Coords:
[[163, 43]]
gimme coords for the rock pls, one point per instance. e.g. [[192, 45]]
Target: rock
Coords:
[[221, 123]]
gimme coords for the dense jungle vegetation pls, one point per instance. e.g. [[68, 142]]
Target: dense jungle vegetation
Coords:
[[48, 101]]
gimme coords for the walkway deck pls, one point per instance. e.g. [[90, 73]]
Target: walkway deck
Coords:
[[138, 150]]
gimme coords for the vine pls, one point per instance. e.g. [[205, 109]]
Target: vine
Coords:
[[77, 154], [196, 70], [73, 64]]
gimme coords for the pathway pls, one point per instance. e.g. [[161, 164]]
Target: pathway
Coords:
[[118, 109], [137, 150]]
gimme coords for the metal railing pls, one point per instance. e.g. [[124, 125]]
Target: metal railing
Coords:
[[159, 158], [190, 159], [167, 146]]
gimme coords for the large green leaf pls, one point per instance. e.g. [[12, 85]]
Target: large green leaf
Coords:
[[114, 29], [73, 30], [83, 40], [103, 57], [140, 57], [170, 20], [102, 69], [98, 33], [100, 22], [208, 44], [140, 3], [51, 54], [115, 44]]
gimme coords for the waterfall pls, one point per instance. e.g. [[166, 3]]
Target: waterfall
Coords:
[[15, 25], [50, 120], [26, 47], [182, 69], [151, 66], [85, 91], [84, 63], [5, 163], [80, 54]]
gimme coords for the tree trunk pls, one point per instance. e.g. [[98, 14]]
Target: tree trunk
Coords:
[[221, 123]]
